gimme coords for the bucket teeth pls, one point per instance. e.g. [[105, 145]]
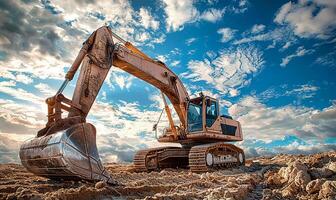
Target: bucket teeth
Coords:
[[68, 154]]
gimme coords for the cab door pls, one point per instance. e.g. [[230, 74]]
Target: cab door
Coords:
[[211, 112]]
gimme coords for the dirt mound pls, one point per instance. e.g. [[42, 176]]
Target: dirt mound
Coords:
[[280, 177], [306, 177]]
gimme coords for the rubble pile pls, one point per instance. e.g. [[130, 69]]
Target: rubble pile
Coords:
[[305, 177]]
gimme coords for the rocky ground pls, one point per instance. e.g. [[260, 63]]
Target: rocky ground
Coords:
[[280, 177]]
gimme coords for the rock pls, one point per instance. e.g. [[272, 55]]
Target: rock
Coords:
[[302, 178], [291, 190], [317, 173], [289, 173], [328, 190], [19, 189], [331, 166], [238, 193], [294, 179], [272, 178], [295, 172], [314, 186], [100, 185]]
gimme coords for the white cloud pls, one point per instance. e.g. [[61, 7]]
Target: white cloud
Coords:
[[17, 77], [45, 89], [300, 51], [8, 149], [305, 91], [283, 12], [227, 34], [287, 44], [159, 39], [212, 15], [191, 52], [269, 123], [76, 21], [257, 28], [162, 58], [144, 36], [190, 41], [178, 13], [175, 63], [328, 59], [182, 12], [9, 88], [23, 116], [309, 18], [241, 8], [233, 92], [211, 54], [7, 75], [278, 35], [300, 92], [232, 69], [23, 79], [123, 81], [175, 51], [35, 64], [147, 19]]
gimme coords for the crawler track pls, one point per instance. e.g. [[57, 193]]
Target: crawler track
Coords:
[[198, 156], [160, 158]]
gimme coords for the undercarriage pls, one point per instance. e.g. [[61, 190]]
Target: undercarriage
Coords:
[[199, 158]]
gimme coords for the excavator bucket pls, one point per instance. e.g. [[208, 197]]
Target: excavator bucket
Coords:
[[69, 154]]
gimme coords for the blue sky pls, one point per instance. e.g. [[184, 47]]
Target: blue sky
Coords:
[[271, 64]]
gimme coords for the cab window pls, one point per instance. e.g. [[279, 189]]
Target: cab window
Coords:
[[195, 117], [211, 112]]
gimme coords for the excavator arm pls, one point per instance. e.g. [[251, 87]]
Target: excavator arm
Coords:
[[98, 54]]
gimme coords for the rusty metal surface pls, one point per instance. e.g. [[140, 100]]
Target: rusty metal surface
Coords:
[[68, 154]]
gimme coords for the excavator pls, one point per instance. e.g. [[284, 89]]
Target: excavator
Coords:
[[66, 147]]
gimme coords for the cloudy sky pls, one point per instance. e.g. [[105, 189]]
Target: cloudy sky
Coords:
[[272, 65]]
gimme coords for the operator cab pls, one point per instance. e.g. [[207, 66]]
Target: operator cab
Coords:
[[203, 111], [205, 124]]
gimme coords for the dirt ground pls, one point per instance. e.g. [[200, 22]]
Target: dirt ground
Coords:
[[280, 177]]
